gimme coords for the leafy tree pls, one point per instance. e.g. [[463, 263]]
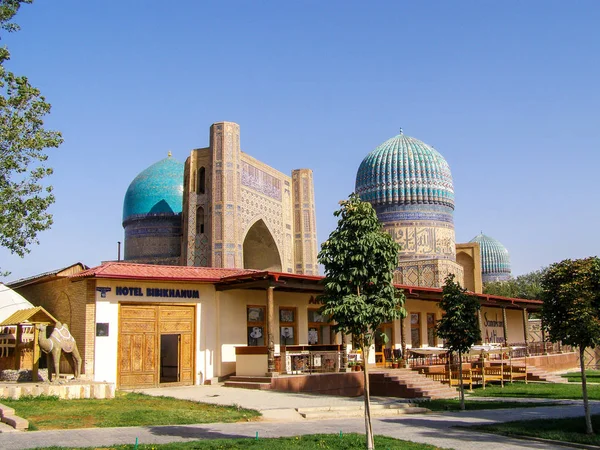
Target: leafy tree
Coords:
[[571, 310], [459, 326], [359, 260], [24, 200], [528, 286]]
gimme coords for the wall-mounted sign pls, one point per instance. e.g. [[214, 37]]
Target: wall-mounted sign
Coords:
[[494, 328], [127, 291], [103, 291], [102, 329]]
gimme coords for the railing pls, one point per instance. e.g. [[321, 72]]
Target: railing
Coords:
[[415, 360], [517, 350], [306, 359], [545, 348]]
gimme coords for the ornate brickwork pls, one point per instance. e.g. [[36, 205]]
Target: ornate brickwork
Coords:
[[226, 166], [410, 186], [261, 181], [427, 273], [423, 240], [245, 203], [256, 207], [304, 222]]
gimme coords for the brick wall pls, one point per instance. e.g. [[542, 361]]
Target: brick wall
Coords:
[[69, 303]]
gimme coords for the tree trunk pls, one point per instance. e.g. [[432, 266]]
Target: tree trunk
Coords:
[[403, 342], [368, 427], [586, 406], [460, 382]]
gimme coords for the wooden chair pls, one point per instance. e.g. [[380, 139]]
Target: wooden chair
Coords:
[[379, 358], [388, 357]]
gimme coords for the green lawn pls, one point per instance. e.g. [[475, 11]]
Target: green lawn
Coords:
[[567, 430], [315, 441], [537, 390], [125, 410], [592, 376], [454, 405]]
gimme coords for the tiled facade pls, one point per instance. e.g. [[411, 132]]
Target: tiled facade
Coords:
[[427, 273], [410, 186], [239, 212]]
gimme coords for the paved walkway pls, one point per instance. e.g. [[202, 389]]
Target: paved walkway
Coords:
[[436, 429]]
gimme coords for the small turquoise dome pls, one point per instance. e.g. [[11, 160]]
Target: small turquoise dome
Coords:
[[495, 260], [156, 190], [404, 171]]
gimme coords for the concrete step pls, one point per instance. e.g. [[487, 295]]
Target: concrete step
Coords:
[[16, 422], [247, 385], [358, 411], [537, 374], [5, 428], [250, 379], [411, 384]]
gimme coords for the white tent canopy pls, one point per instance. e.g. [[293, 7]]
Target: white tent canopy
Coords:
[[11, 302]]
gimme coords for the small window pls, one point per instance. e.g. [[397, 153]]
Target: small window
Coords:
[[287, 326], [201, 180], [319, 329], [415, 330], [255, 323], [431, 334], [200, 220]]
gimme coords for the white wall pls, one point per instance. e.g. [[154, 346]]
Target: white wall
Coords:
[[107, 311], [106, 347]]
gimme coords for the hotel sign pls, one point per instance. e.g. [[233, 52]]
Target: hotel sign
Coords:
[[127, 291]]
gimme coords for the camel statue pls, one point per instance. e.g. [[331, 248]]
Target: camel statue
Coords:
[[60, 340]]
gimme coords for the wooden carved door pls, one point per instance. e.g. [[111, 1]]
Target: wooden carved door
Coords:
[[138, 339]]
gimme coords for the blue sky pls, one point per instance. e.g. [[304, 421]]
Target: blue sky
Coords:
[[507, 91]]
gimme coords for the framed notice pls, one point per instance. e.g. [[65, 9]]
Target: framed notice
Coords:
[[102, 329]]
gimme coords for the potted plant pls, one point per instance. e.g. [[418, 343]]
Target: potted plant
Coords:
[[358, 367], [395, 363], [351, 365]]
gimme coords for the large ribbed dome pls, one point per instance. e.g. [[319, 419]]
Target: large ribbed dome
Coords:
[[495, 260], [404, 170], [156, 190]]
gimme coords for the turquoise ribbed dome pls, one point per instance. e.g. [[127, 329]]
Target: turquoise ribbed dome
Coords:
[[403, 171], [156, 190], [495, 260]]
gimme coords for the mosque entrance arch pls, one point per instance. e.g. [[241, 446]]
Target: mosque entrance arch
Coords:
[[260, 249], [468, 265]]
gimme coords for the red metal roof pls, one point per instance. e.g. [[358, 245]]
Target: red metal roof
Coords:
[[122, 270], [127, 270], [484, 297]]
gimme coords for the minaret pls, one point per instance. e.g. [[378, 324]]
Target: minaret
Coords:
[[225, 145], [305, 232]]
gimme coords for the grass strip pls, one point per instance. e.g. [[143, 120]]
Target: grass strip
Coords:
[[592, 376], [571, 429], [314, 441], [537, 390], [127, 409], [454, 405]]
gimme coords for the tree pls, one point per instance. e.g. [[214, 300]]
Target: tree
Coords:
[[359, 260], [24, 199], [571, 310], [528, 286], [459, 326]]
